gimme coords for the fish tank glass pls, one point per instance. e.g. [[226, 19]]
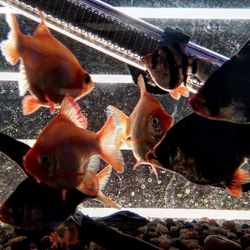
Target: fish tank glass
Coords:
[[216, 31]]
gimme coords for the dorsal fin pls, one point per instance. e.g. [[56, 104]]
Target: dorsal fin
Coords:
[[42, 29], [72, 111], [141, 84]]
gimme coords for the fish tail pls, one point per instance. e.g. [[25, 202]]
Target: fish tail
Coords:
[[109, 151], [182, 90], [121, 123], [240, 177], [30, 104], [10, 47]]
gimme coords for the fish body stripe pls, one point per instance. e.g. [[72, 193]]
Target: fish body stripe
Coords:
[[173, 68]]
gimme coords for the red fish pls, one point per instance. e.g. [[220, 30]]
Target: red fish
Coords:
[[49, 69], [63, 153], [144, 128]]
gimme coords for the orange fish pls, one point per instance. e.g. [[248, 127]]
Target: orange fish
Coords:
[[49, 69], [144, 128], [62, 156]]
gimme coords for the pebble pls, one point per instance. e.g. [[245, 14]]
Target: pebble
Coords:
[[213, 242], [190, 244], [229, 225], [164, 242], [161, 228], [245, 240]]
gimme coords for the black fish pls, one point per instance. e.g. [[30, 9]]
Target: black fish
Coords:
[[226, 93], [170, 67], [206, 152], [38, 206]]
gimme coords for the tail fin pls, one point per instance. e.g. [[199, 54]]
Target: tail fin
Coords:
[[108, 135], [121, 123], [30, 104], [182, 90], [10, 47], [240, 177]]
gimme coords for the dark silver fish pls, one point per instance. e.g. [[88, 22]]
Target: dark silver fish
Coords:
[[206, 152], [226, 93], [38, 206]]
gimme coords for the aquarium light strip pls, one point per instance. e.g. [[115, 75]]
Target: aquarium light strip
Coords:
[[181, 13], [186, 13], [98, 78], [31, 142], [171, 213], [79, 39]]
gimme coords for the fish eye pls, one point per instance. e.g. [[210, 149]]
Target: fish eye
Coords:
[[87, 78], [44, 160], [155, 121]]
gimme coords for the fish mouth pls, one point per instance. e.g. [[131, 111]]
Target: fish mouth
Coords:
[[197, 103]]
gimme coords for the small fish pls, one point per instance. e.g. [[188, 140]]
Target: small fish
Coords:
[[61, 156], [49, 69], [206, 152], [169, 66], [146, 125], [226, 93]]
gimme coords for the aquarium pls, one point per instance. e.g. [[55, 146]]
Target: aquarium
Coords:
[[217, 31]]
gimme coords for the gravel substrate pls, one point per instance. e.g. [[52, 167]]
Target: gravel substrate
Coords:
[[169, 234]]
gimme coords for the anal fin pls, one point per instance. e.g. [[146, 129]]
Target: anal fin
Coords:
[[30, 104], [106, 201]]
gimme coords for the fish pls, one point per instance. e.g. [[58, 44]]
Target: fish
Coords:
[[145, 126], [36, 206], [226, 93], [39, 207], [206, 152], [64, 150], [170, 67], [48, 68], [167, 65]]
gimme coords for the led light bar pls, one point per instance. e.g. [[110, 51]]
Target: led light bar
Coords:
[[187, 13], [177, 213], [181, 13], [98, 78]]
